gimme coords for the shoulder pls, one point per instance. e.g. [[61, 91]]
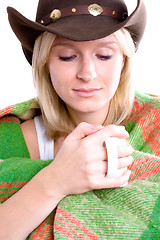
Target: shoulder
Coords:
[[30, 136], [144, 98], [146, 102], [27, 125], [145, 113]]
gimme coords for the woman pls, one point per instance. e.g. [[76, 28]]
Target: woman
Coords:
[[81, 65]]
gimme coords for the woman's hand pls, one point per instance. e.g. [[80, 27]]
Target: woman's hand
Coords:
[[81, 163]]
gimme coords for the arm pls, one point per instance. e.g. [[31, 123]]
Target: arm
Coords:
[[31, 200], [77, 168], [26, 209]]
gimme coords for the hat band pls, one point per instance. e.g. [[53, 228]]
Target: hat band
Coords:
[[93, 9]]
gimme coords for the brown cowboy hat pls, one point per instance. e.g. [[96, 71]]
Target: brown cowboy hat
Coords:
[[78, 20]]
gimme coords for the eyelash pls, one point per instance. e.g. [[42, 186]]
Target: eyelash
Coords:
[[67, 59], [71, 58], [104, 57]]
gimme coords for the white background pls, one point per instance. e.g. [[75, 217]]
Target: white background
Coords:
[[16, 74]]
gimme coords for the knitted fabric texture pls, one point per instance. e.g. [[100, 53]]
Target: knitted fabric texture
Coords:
[[131, 212]]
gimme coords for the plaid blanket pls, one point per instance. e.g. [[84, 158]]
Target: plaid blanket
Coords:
[[132, 212]]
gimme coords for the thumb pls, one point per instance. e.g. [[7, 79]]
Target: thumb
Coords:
[[82, 130]]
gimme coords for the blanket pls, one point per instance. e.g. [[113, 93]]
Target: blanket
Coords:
[[131, 212]]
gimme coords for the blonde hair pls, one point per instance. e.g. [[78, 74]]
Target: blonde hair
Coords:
[[54, 111]]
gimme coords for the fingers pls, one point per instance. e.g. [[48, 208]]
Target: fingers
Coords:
[[101, 133], [124, 151], [83, 130], [1, 160], [107, 132], [116, 131], [118, 153], [93, 144], [121, 180], [101, 182], [125, 162]]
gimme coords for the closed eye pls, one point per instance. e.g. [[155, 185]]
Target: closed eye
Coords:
[[104, 57], [67, 59]]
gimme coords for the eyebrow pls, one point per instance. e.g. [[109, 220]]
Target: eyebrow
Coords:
[[62, 44], [101, 44], [106, 43]]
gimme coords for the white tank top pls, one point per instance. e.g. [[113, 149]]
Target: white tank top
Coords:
[[46, 145]]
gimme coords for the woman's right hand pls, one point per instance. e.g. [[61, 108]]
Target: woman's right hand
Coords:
[[81, 163]]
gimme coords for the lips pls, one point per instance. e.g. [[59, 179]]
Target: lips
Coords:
[[83, 92]]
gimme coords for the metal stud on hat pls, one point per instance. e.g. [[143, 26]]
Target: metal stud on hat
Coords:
[[55, 14], [95, 9]]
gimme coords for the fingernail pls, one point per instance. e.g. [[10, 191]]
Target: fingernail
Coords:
[[96, 127], [127, 134]]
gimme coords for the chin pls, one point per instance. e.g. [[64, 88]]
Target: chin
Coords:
[[90, 109]]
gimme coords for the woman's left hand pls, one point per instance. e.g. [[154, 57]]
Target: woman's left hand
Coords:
[[81, 163]]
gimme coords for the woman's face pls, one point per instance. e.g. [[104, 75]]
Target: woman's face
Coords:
[[85, 75]]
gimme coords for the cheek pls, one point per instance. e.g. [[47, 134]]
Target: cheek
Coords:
[[57, 84], [55, 75], [59, 80], [113, 73], [116, 69], [55, 80]]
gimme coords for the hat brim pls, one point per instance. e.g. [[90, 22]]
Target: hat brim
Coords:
[[76, 28]]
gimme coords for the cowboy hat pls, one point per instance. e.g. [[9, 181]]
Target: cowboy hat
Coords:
[[78, 20]]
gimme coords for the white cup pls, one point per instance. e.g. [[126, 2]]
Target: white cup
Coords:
[[111, 146]]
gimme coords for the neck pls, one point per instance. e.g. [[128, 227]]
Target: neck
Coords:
[[94, 118]]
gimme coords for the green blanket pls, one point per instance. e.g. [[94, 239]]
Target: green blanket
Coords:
[[132, 212]]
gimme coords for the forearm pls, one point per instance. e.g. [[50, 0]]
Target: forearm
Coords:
[[25, 210]]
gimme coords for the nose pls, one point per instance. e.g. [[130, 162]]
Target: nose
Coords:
[[86, 70]]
